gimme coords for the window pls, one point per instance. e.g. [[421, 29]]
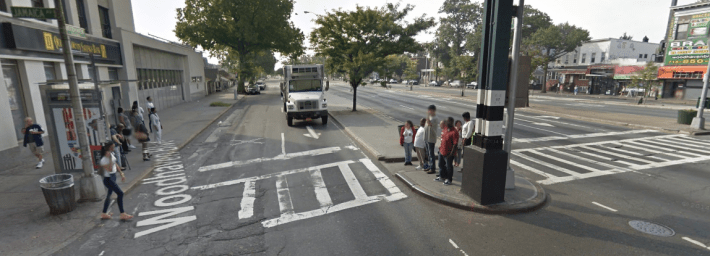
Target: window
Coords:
[[113, 74], [80, 9], [603, 57], [3, 6], [594, 57], [567, 59], [645, 56], [66, 11], [38, 3], [640, 56], [13, 86], [558, 61], [681, 31], [584, 57], [50, 71], [105, 22]]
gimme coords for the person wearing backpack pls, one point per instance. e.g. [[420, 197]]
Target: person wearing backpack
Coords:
[[447, 152]]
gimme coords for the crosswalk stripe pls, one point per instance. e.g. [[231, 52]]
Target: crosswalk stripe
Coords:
[[352, 182], [694, 141], [555, 167], [646, 149], [565, 161], [669, 150], [284, 195], [604, 157], [247, 205], [536, 171], [685, 144], [320, 189], [661, 144], [638, 158], [395, 193], [588, 160]]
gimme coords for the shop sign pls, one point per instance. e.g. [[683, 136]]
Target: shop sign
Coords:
[[35, 13], [693, 48]]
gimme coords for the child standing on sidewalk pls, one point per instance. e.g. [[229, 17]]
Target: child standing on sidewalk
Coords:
[[406, 140], [420, 146]]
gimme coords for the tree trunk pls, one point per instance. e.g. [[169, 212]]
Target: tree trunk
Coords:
[[547, 61], [354, 97]]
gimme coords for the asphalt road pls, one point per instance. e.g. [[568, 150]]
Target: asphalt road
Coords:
[[575, 103], [250, 185]]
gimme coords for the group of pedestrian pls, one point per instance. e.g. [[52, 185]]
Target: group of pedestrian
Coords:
[[453, 136]]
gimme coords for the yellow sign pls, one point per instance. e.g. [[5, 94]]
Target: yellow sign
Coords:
[[52, 42]]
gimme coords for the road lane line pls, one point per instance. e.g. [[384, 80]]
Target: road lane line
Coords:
[[454, 244], [320, 188], [284, 195], [247, 205], [315, 152], [696, 242], [541, 129], [283, 144], [312, 132], [266, 176], [395, 193], [605, 207], [406, 107], [543, 124], [352, 182]]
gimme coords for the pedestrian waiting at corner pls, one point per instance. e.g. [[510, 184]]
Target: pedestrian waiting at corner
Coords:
[[447, 152], [420, 146], [406, 140], [431, 134]]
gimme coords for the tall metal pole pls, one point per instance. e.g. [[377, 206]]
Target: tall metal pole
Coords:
[[90, 184], [699, 121], [507, 144]]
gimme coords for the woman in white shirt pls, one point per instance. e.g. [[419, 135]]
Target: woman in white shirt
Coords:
[[406, 140], [420, 145], [108, 170]]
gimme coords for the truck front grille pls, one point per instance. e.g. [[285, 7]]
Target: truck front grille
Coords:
[[308, 104]]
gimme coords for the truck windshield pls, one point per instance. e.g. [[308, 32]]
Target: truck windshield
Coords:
[[304, 86]]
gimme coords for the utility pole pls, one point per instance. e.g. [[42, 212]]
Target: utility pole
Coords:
[[91, 186], [699, 121], [507, 144]]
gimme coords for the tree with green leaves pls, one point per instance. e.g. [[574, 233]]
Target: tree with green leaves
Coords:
[[626, 37], [238, 31], [357, 42], [554, 42], [646, 79], [458, 29]]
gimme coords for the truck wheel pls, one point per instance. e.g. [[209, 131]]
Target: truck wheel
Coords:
[[324, 120], [289, 120]]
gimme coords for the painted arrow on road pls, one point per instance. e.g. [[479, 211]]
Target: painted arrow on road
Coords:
[[311, 133]]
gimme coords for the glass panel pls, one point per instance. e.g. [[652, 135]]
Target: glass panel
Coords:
[[49, 71], [113, 74], [17, 104]]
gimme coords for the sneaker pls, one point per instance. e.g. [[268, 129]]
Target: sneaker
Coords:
[[42, 160], [447, 182], [419, 167], [40, 164], [131, 146], [437, 179], [430, 172]]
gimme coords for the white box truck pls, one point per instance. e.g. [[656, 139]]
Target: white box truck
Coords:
[[303, 93]]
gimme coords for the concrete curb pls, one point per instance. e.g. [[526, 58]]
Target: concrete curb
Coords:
[[536, 203], [602, 121], [357, 139], [134, 183]]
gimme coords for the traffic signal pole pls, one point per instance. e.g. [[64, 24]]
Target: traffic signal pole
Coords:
[[507, 144], [699, 121], [91, 187]]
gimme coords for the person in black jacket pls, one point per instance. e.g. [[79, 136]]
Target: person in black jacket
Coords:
[[33, 137]]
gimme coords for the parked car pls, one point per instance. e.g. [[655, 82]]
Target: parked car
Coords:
[[455, 83], [433, 83], [393, 81], [252, 89], [413, 82], [472, 85], [262, 86]]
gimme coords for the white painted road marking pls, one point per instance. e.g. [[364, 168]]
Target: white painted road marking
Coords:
[[595, 154], [543, 124], [286, 208], [541, 129], [312, 132], [315, 152], [605, 207], [406, 107], [696, 242], [454, 244], [283, 144]]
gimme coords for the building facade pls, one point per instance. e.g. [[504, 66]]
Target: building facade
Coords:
[[128, 66], [591, 66], [686, 51]]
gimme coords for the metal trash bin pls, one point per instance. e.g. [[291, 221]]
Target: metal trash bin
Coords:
[[58, 190]]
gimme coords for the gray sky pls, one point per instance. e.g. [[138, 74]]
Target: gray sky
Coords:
[[603, 18]]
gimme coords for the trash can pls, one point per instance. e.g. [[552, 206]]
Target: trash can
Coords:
[[686, 116], [399, 130], [707, 103], [58, 190]]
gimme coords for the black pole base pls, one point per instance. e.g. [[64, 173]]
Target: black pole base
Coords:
[[484, 174]]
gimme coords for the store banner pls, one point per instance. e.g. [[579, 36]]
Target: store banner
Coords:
[[690, 46]]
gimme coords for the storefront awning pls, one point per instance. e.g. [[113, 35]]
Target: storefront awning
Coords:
[[626, 72], [667, 72]]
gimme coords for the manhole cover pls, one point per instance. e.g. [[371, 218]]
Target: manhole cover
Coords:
[[651, 228]]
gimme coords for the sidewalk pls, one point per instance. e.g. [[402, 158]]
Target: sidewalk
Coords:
[[366, 127], [29, 229]]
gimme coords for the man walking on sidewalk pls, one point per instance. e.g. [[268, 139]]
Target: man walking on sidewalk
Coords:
[[33, 137], [155, 126], [430, 136]]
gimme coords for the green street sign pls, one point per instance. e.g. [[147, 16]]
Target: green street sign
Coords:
[[36, 13]]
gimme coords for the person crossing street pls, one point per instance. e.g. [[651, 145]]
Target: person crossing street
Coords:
[[155, 126]]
